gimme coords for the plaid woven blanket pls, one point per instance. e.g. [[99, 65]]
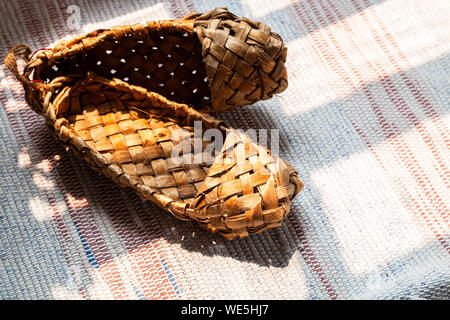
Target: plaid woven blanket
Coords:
[[365, 120]]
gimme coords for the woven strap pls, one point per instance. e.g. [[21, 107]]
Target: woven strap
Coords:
[[37, 93]]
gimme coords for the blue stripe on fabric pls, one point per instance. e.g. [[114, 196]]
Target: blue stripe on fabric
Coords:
[[176, 287], [138, 293], [86, 248]]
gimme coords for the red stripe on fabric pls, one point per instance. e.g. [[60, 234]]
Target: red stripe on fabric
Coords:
[[79, 209], [395, 96], [60, 226], [80, 212], [90, 232], [64, 234], [5, 50], [412, 85], [141, 244], [39, 27], [32, 23], [324, 50], [11, 105], [175, 8], [393, 131], [310, 258], [56, 22], [424, 212], [190, 5], [75, 199], [307, 253]]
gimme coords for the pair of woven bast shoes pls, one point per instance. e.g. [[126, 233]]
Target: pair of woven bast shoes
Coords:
[[124, 99]]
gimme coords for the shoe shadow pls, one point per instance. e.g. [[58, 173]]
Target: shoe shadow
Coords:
[[139, 223]]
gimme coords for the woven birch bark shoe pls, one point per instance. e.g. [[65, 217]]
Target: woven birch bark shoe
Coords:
[[212, 61], [140, 139]]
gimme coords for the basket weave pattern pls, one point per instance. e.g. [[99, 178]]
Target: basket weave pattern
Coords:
[[128, 134], [212, 62], [127, 123], [244, 60]]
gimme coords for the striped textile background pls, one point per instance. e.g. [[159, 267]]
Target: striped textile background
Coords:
[[365, 120]]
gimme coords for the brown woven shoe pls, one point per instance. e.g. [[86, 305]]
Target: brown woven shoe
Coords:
[[212, 62], [142, 140]]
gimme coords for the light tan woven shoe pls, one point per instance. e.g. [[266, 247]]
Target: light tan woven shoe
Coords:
[[142, 140], [212, 62]]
